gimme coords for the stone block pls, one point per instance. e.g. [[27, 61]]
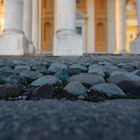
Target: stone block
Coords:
[[135, 46], [13, 44], [68, 45]]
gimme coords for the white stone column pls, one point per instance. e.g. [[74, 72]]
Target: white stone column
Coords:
[[90, 26], [27, 19], [121, 26], [13, 42], [111, 26], [35, 24], [66, 15], [13, 14], [27, 23], [138, 14], [67, 41], [135, 45]]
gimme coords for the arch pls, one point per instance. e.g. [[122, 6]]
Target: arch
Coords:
[[100, 29]]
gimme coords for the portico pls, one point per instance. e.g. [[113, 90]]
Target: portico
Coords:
[[68, 27]]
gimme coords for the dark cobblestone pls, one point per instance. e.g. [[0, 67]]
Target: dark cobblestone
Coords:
[[66, 120]]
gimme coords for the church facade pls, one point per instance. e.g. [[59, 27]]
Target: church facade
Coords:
[[69, 27]]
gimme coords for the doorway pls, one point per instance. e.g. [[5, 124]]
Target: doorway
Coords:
[[47, 26], [101, 26]]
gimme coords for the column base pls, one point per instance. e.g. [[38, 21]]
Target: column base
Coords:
[[13, 44], [30, 49], [68, 45], [135, 46], [120, 51]]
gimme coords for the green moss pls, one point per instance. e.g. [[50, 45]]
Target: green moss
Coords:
[[94, 96], [59, 93], [124, 97], [106, 76], [88, 86], [60, 85], [2, 82]]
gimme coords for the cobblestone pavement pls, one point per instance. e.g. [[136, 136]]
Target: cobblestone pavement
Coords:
[[67, 120], [85, 77]]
